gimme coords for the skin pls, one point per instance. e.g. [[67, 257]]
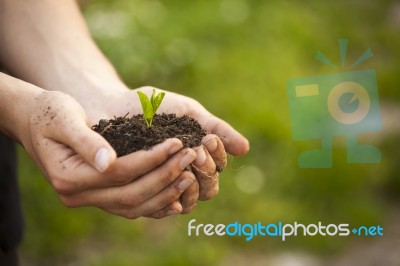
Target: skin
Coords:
[[49, 45], [53, 129]]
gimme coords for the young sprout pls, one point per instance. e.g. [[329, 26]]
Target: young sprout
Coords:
[[151, 105]]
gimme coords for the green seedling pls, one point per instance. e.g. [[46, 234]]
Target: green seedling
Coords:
[[151, 105]]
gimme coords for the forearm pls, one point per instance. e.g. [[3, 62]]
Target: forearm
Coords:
[[16, 103], [47, 43]]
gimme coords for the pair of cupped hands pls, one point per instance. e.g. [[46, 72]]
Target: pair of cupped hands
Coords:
[[83, 168]]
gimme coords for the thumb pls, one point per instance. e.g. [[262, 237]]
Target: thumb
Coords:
[[91, 146]]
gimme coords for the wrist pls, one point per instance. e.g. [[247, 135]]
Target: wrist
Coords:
[[17, 102]]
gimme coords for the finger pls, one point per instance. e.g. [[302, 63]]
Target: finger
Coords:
[[171, 209], [207, 176], [157, 204], [216, 149], [70, 174], [131, 166], [189, 198], [167, 196], [136, 192], [233, 141]]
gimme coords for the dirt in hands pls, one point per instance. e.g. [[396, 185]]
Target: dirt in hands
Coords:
[[130, 134]]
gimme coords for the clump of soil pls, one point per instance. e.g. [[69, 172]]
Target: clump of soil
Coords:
[[127, 135]]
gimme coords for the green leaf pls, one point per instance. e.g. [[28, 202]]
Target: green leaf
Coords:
[[151, 105], [157, 101], [148, 112], [153, 97]]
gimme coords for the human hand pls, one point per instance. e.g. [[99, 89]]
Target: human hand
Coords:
[[72, 63], [83, 168], [211, 155]]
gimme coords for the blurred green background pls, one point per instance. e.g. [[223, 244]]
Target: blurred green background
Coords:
[[235, 56]]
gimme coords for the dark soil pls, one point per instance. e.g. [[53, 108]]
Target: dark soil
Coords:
[[127, 135]]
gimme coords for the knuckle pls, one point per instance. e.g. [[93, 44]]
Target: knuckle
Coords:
[[158, 215], [62, 186], [69, 202], [188, 209], [82, 138], [208, 138], [131, 215], [209, 194]]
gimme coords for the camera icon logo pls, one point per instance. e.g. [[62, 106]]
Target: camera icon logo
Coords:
[[341, 104], [358, 92]]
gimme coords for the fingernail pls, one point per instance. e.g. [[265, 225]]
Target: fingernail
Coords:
[[171, 212], [175, 148], [201, 156], [102, 159], [184, 184], [212, 145], [187, 159]]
